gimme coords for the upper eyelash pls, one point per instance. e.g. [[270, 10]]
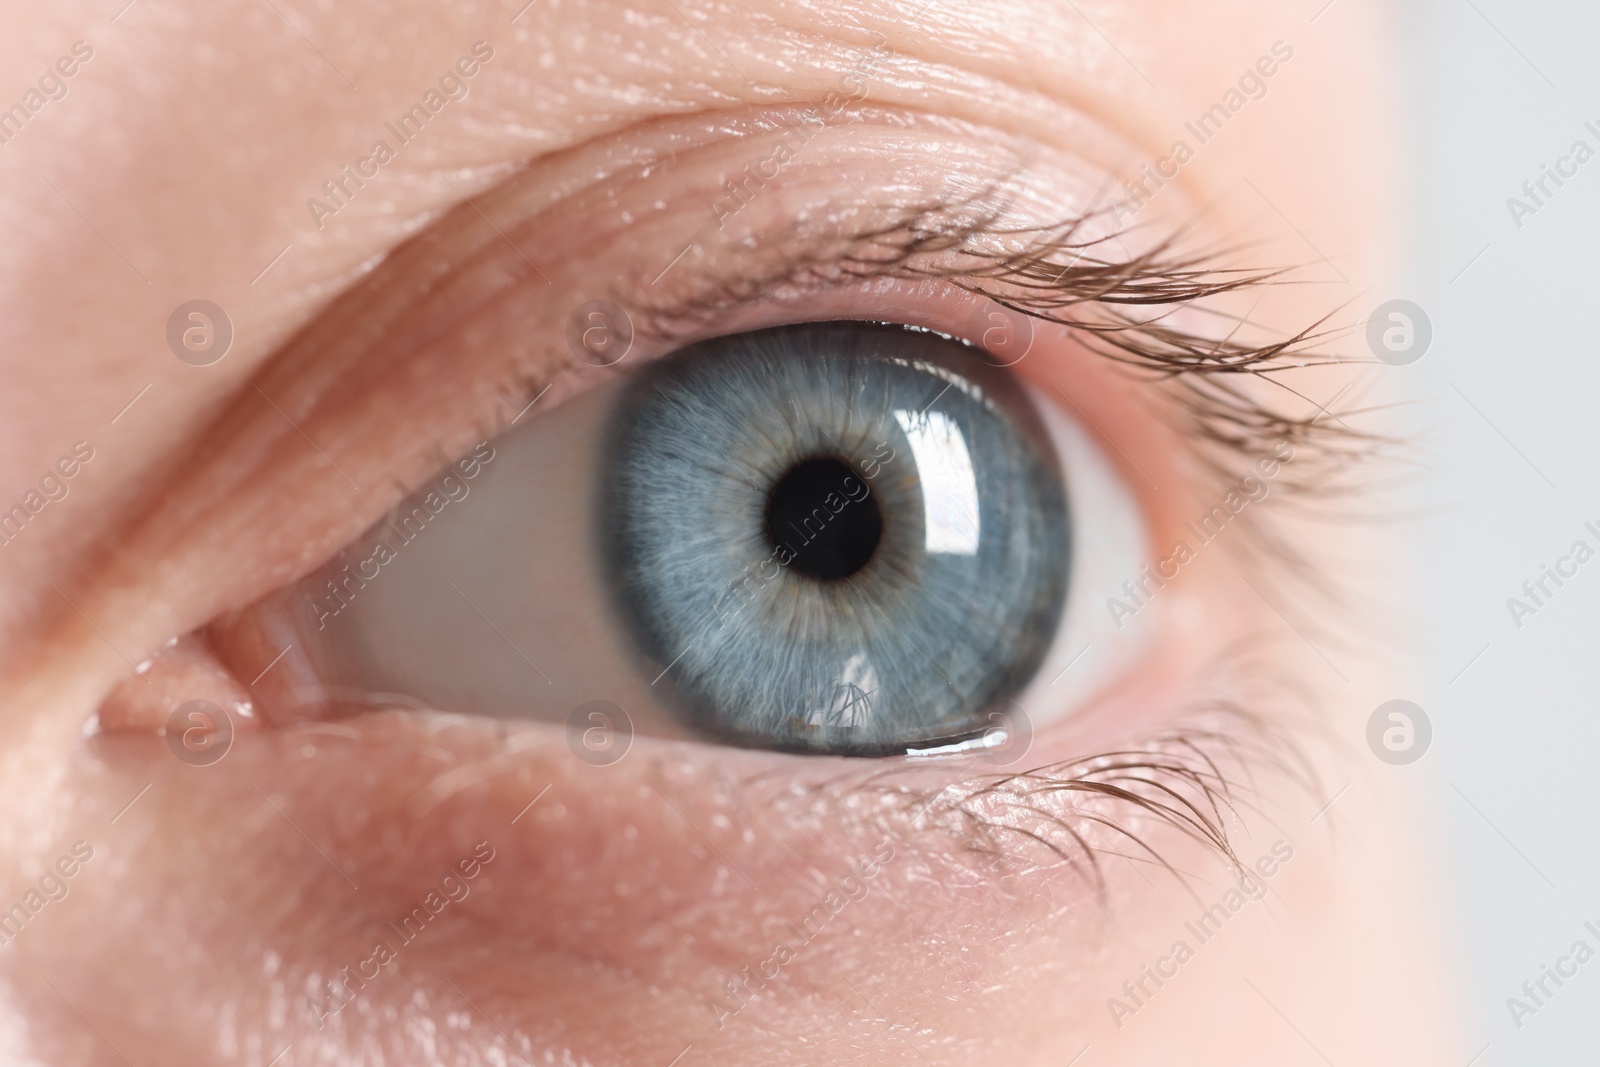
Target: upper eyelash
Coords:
[[1061, 274], [1058, 274]]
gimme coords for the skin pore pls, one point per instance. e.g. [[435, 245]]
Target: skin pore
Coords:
[[618, 920]]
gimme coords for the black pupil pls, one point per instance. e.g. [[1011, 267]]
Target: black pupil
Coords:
[[823, 512]]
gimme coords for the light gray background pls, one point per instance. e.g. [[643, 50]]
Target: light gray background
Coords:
[[1507, 400]]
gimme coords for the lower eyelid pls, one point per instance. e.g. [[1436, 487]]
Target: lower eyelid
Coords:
[[966, 816]]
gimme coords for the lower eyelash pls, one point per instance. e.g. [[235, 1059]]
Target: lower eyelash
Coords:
[[1199, 778]]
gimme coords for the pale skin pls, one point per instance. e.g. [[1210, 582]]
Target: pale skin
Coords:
[[614, 912]]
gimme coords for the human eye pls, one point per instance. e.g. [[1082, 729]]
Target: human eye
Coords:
[[849, 537], [739, 575], [734, 521], [990, 565], [812, 508], [842, 537]]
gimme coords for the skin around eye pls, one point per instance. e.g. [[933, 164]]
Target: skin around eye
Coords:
[[411, 887]]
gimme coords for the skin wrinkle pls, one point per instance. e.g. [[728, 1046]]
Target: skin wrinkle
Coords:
[[1180, 754], [204, 882]]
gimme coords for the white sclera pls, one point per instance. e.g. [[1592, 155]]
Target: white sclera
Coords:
[[497, 605], [1109, 546]]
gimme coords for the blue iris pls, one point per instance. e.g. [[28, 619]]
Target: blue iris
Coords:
[[836, 537]]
